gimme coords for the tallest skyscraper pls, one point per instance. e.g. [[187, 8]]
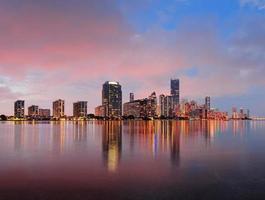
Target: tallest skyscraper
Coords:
[[174, 90]]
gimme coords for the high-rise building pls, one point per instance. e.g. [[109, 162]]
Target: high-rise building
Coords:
[[174, 90], [58, 109], [141, 108], [208, 103], [33, 111], [44, 113], [161, 105], [80, 109], [112, 99], [131, 97], [167, 106], [19, 109]]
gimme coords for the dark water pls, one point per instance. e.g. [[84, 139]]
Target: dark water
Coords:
[[132, 160]]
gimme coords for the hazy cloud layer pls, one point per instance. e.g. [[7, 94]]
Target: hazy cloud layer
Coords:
[[260, 4]]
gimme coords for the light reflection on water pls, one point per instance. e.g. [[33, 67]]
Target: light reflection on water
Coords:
[[98, 156]]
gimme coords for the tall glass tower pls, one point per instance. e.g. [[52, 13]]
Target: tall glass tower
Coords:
[[112, 99], [174, 90]]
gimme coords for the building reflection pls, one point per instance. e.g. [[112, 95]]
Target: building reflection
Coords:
[[240, 127], [80, 132], [167, 136], [157, 137], [111, 144], [19, 136], [58, 131]]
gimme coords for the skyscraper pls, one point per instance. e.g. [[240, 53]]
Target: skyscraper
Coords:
[[80, 109], [19, 109], [58, 109], [174, 90], [166, 106], [112, 99], [208, 103]]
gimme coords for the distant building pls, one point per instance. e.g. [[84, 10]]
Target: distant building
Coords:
[[112, 99], [174, 91], [167, 106], [248, 114], [100, 111], [208, 103], [241, 113], [19, 109], [80, 109], [234, 113], [141, 108], [44, 113], [131, 97], [135, 108], [33, 111], [152, 105], [58, 109]]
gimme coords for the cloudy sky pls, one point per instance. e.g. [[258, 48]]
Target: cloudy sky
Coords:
[[52, 49]]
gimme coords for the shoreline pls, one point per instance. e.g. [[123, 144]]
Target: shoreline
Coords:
[[89, 120]]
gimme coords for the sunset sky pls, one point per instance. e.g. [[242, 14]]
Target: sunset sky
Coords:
[[67, 49]]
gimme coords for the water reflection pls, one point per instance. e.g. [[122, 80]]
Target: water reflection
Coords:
[[18, 136], [112, 144], [142, 137], [106, 156], [58, 131]]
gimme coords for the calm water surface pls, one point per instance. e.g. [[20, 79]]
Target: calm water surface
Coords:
[[132, 160]]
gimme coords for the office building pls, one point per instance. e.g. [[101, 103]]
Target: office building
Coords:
[[19, 109], [44, 113], [112, 99], [174, 91], [141, 108], [100, 111], [58, 109], [80, 109], [208, 103], [33, 111], [167, 106]]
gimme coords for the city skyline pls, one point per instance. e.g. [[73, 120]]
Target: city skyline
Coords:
[[52, 49], [162, 106]]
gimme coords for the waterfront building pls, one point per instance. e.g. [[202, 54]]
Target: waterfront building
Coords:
[[134, 108], [248, 114], [112, 99], [151, 105], [58, 109], [80, 109], [44, 113], [235, 114], [33, 111], [167, 106], [19, 109], [241, 113], [175, 91], [100, 111], [141, 108], [208, 103], [131, 97]]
